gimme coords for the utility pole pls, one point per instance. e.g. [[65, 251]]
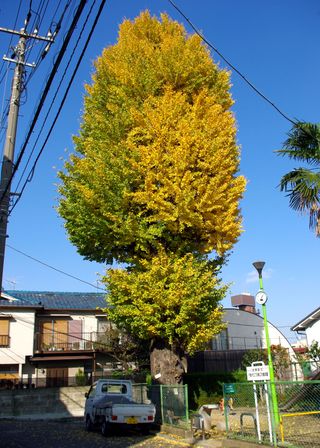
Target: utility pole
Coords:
[[8, 152]]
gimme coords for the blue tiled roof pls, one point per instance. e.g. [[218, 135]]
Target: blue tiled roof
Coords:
[[58, 300], [17, 304]]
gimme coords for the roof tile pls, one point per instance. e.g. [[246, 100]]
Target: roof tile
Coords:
[[57, 300]]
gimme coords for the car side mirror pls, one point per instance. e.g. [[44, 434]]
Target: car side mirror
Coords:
[[86, 394]]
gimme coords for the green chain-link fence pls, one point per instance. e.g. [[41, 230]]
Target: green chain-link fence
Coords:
[[174, 405], [171, 402], [294, 422], [299, 409]]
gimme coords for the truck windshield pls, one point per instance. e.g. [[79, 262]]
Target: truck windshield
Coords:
[[114, 388]]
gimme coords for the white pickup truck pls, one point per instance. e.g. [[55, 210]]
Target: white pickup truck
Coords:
[[110, 403]]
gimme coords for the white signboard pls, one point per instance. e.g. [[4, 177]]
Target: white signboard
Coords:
[[258, 372]]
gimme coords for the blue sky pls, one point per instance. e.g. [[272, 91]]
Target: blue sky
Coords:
[[275, 44]]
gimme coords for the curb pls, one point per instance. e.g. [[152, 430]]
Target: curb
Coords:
[[43, 417]]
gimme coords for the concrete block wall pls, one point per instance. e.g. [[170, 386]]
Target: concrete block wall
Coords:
[[50, 402]]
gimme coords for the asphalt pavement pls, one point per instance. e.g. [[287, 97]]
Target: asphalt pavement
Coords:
[[71, 434]]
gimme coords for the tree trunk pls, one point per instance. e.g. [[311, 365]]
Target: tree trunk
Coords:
[[168, 364]]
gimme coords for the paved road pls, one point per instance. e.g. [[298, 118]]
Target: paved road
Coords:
[[70, 434]]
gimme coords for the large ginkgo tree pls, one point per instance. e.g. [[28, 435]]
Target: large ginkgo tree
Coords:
[[154, 185]]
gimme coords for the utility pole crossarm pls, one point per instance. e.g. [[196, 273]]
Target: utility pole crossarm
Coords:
[[8, 151], [22, 33], [15, 62]]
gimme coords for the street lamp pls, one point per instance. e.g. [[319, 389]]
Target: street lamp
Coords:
[[261, 298]]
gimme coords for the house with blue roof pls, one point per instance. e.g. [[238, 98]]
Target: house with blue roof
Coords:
[[48, 338]]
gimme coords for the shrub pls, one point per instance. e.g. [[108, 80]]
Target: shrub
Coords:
[[204, 388], [80, 378]]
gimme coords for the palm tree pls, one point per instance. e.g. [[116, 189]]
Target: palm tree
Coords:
[[303, 184]]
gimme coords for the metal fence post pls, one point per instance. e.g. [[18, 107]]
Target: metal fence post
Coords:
[[161, 403], [226, 414], [186, 401]]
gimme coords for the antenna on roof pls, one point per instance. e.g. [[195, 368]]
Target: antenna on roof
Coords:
[[12, 282]]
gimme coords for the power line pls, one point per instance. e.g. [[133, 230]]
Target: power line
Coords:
[[4, 113], [61, 104], [71, 335], [45, 93], [39, 14], [4, 109], [232, 66], [55, 269], [8, 168], [30, 176], [45, 47], [14, 27]]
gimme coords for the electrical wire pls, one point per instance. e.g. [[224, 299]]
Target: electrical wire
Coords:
[[41, 53], [35, 26], [16, 361], [45, 93], [4, 113], [14, 26], [39, 15], [79, 338], [55, 269], [44, 47], [61, 105], [57, 332], [30, 176], [264, 97]]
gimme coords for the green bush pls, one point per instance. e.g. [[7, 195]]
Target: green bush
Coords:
[[80, 378], [204, 388], [240, 376], [149, 379]]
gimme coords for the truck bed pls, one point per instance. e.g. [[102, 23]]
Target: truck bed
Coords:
[[108, 399], [125, 409]]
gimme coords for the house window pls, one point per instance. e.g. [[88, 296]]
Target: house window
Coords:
[[220, 342], [4, 331], [54, 335]]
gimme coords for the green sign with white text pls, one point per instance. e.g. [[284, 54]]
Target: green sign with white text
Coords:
[[229, 388]]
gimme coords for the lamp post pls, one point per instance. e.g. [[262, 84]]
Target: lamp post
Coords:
[[261, 298]]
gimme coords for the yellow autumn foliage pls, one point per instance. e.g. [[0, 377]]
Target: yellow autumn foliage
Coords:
[[157, 159], [169, 297], [154, 181], [186, 155]]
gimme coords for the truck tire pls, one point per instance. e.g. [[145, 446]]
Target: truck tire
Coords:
[[104, 428], [89, 424]]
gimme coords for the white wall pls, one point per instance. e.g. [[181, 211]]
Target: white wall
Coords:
[[90, 323], [21, 332], [313, 333]]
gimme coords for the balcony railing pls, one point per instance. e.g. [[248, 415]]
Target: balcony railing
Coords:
[[56, 341], [4, 340]]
